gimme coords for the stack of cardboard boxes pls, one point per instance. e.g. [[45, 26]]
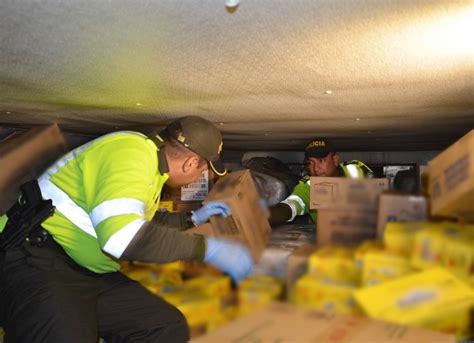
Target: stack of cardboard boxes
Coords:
[[347, 208]]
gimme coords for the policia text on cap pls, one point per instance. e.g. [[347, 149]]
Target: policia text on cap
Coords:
[[61, 282]]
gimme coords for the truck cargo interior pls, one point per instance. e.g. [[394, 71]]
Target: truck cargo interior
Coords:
[[389, 83]]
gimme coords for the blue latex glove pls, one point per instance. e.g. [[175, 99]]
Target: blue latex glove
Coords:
[[230, 257], [212, 208]]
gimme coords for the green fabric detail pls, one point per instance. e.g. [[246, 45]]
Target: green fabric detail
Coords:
[[360, 166], [80, 246], [302, 190], [112, 225], [3, 222]]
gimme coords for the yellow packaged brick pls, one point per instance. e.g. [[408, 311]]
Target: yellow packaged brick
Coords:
[[197, 306], [433, 299], [165, 206], [365, 248], [224, 317], [217, 286], [258, 290], [312, 292], [429, 243], [334, 263], [458, 255], [380, 266], [399, 237]]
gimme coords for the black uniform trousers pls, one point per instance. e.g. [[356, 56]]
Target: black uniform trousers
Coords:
[[46, 297]]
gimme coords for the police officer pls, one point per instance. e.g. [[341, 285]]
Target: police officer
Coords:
[[321, 159], [64, 284]]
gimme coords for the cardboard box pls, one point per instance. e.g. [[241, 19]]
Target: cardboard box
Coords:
[[345, 193], [396, 207], [24, 157], [248, 222], [346, 227], [451, 179], [289, 323]]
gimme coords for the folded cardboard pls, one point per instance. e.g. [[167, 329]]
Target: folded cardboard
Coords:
[[346, 227], [248, 222], [397, 207], [345, 193], [280, 322], [24, 157], [451, 180]]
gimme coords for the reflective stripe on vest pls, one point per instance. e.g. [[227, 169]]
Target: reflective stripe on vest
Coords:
[[119, 241], [66, 206], [116, 207]]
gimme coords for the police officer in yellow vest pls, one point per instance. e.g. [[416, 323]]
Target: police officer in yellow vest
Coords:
[[321, 159], [62, 283]]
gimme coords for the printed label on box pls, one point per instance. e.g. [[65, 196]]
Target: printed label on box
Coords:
[[197, 190]]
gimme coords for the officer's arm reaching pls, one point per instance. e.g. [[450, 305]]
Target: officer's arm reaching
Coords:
[[280, 213], [157, 243]]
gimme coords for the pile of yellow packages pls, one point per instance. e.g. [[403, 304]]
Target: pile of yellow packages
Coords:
[[205, 296], [421, 276]]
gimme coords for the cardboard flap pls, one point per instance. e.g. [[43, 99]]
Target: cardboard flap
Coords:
[[24, 157]]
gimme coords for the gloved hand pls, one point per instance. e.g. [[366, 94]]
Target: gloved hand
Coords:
[[212, 208], [229, 256]]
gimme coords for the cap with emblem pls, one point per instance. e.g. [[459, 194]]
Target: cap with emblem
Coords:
[[202, 137], [319, 148]]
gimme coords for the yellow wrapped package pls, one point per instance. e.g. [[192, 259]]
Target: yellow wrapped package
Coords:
[[365, 248], [224, 317], [217, 286], [433, 299], [165, 206], [258, 290], [197, 306], [381, 266], [458, 255], [334, 263], [313, 292], [399, 237], [429, 243]]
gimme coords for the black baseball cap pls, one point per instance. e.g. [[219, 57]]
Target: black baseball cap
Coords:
[[201, 136], [318, 148]]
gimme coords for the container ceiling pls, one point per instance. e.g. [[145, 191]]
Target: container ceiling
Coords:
[[377, 75]]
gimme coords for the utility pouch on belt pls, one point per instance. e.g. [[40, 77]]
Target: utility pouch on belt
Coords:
[[25, 216]]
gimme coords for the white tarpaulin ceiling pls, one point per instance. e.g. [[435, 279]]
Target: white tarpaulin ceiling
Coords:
[[377, 74]]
